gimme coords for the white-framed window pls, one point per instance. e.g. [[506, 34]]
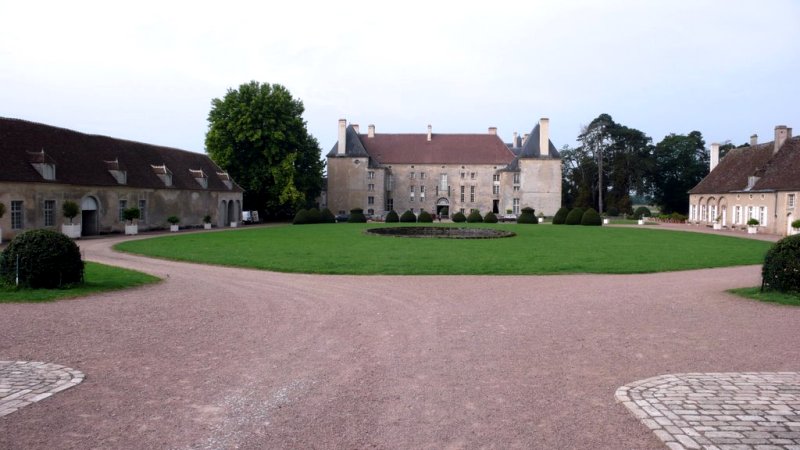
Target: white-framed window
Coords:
[[691, 212], [462, 194], [516, 178], [472, 194], [515, 206], [142, 211], [122, 205], [737, 214], [496, 189], [49, 213], [17, 215], [762, 215], [496, 178], [751, 214], [370, 175], [790, 200], [703, 212], [421, 193], [411, 194], [443, 182]]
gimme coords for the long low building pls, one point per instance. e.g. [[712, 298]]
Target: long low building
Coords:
[[43, 166]]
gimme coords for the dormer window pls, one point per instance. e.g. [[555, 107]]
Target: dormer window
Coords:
[[200, 177], [751, 181], [117, 171], [163, 173], [226, 179], [43, 164]]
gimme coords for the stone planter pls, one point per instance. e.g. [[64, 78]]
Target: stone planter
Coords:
[[752, 230], [605, 221], [174, 228], [541, 219], [234, 224], [71, 230], [131, 230], [206, 226], [641, 222], [717, 226]]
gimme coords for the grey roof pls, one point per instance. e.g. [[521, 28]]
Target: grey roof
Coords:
[[353, 145], [530, 148]]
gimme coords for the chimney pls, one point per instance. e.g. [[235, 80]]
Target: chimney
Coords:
[[514, 141], [355, 127], [782, 133], [544, 136], [371, 131], [430, 131], [754, 140], [524, 139], [714, 156], [342, 137], [493, 131]]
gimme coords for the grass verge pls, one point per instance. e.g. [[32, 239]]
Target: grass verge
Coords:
[[767, 296], [99, 278]]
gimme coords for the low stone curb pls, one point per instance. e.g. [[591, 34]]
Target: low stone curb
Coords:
[[26, 382]]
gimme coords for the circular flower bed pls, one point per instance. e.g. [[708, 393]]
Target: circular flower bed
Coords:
[[441, 232]]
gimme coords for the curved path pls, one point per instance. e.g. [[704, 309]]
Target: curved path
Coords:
[[223, 358]]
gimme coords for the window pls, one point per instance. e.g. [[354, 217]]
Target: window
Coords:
[[389, 182], [496, 190], [411, 196], [463, 175], [389, 204], [496, 177], [370, 211], [750, 213], [17, 217], [461, 210], [122, 205], [370, 175], [472, 175], [422, 175], [703, 212], [516, 188], [515, 204], [413, 175], [737, 214], [462, 194], [143, 211], [762, 215], [790, 200], [370, 200], [472, 193], [49, 213], [443, 181], [516, 178], [691, 212], [422, 193], [370, 187]]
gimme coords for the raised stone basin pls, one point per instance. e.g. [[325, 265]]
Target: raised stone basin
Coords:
[[441, 232]]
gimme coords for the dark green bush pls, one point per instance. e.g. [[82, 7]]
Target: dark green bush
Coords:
[[392, 217], [527, 216], [642, 211], [301, 218], [425, 217], [474, 217], [490, 218], [131, 214], [591, 218], [326, 216], [561, 216], [459, 217], [408, 217], [47, 259], [574, 217], [613, 211], [357, 216], [795, 224], [781, 270], [314, 216]]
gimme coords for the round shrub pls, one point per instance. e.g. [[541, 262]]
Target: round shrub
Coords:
[[425, 217], [613, 211], [642, 211], [574, 217], [753, 222], [314, 216], [357, 216], [795, 224], [301, 218], [459, 217], [591, 218], [781, 270], [131, 214], [527, 216], [474, 217], [561, 216], [392, 217], [326, 216], [490, 218], [408, 217], [47, 259]]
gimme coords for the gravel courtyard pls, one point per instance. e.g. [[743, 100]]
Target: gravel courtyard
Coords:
[[217, 357]]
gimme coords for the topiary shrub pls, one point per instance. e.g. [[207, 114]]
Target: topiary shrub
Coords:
[[392, 217], [301, 218], [490, 218], [795, 224], [474, 217], [574, 217], [314, 216], [173, 220], [459, 217], [326, 216], [642, 211], [408, 217], [47, 259], [357, 216], [70, 210], [591, 218], [613, 211], [425, 217], [561, 216], [133, 213], [527, 216], [781, 270]]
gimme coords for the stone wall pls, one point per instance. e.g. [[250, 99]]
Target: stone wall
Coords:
[[778, 213]]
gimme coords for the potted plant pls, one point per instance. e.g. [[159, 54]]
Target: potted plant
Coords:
[[70, 209], [207, 222], [752, 226], [131, 215], [173, 223], [541, 217], [795, 224], [717, 225], [2, 213]]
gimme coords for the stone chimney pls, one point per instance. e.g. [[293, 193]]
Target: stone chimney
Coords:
[[342, 137], [544, 136], [782, 134], [493, 131], [714, 156], [514, 141], [524, 139], [753, 140], [430, 132], [355, 127], [371, 131]]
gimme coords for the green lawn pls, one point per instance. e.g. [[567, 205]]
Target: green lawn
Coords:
[[99, 278], [537, 249], [767, 296]]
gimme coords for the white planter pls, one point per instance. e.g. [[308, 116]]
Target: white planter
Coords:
[[71, 230], [207, 226], [234, 224], [717, 226], [605, 221], [174, 228], [131, 230], [641, 221], [541, 219], [752, 230]]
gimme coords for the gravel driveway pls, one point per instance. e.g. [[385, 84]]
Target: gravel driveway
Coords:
[[233, 358]]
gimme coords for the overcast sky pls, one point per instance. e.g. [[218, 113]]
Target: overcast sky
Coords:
[[147, 70]]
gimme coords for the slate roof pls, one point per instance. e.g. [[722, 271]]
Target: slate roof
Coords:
[[531, 148], [779, 172], [85, 159]]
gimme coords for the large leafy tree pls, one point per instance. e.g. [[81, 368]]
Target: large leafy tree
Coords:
[[257, 134], [681, 161]]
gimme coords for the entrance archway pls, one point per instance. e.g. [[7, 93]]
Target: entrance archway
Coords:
[[222, 214], [231, 212], [443, 207], [88, 216]]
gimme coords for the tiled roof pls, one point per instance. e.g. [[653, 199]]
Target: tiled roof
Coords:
[[780, 171], [83, 159]]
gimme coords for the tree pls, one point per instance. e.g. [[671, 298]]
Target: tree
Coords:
[[257, 134], [681, 161]]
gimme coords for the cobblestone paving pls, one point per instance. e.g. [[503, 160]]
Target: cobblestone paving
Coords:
[[719, 411], [26, 382]]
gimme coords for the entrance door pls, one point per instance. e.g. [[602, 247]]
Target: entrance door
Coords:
[[443, 207], [495, 206], [88, 216]]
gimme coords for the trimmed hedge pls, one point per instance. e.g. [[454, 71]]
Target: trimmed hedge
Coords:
[[781, 270], [392, 217], [591, 218], [474, 217], [425, 217], [490, 218], [459, 217], [642, 211], [301, 218], [408, 217], [314, 216], [561, 216], [613, 211], [574, 217], [327, 216], [357, 216], [528, 216], [47, 259]]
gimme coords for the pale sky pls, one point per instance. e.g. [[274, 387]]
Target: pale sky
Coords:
[[148, 70]]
